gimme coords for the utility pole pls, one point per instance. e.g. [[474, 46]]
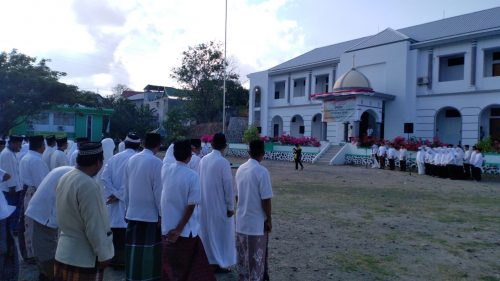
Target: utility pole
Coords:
[[225, 74]]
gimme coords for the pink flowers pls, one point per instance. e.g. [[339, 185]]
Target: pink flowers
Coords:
[[304, 141], [206, 138]]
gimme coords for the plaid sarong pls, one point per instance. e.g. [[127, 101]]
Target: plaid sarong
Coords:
[[143, 251], [185, 260], [66, 272], [252, 257]]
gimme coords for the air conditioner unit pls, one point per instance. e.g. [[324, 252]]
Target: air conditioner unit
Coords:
[[422, 81], [60, 128]]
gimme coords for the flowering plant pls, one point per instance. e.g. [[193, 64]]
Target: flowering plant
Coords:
[[207, 138], [305, 141]]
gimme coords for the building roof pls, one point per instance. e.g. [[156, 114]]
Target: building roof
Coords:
[[352, 79], [129, 93], [462, 25]]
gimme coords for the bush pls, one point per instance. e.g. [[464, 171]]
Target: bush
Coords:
[[207, 138], [304, 141], [250, 134], [486, 145]]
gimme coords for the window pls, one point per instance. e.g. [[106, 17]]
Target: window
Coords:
[[301, 129], [279, 90], [321, 84], [450, 113], [257, 97], [492, 63], [299, 87], [451, 68], [495, 112], [64, 119], [41, 119]]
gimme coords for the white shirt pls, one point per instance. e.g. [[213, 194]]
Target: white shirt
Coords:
[[382, 150], [391, 153], [2, 173], [402, 154], [10, 164], [113, 181], [253, 184], [72, 159], [181, 188], [47, 153], [205, 150], [121, 146], [374, 149], [58, 159], [478, 160], [143, 187], [32, 169], [42, 206], [194, 163], [169, 155], [467, 156]]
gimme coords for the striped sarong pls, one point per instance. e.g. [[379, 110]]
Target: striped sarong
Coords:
[[28, 224], [143, 251], [185, 260], [252, 257], [66, 272]]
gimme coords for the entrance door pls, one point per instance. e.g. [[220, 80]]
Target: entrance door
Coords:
[[89, 127], [495, 128], [276, 129]]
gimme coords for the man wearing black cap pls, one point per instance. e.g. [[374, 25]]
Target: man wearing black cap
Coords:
[[194, 163], [58, 157], [79, 141], [86, 242], [49, 148], [12, 188], [217, 207], [143, 188], [32, 170], [112, 179]]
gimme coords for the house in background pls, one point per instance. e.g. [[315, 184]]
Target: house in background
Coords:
[[70, 121], [159, 98], [437, 79]]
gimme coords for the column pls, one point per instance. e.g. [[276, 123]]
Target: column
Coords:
[[355, 129], [378, 129], [430, 65], [473, 56]]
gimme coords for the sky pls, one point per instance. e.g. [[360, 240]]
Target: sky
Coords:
[[102, 43]]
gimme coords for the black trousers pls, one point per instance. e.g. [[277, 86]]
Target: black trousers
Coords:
[[476, 173], [297, 163], [402, 165], [392, 164], [382, 162], [119, 245], [467, 171]]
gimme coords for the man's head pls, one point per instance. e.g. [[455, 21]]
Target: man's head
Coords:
[[90, 157], [37, 144], [182, 151], [152, 142], [196, 146], [2, 145], [62, 143], [466, 147], [219, 141], [256, 150], [51, 140], [132, 141], [15, 143]]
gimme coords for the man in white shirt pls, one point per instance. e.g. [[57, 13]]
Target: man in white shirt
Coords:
[[169, 155], [42, 210], [402, 159], [9, 260], [184, 257], [49, 148], [74, 154], [375, 156], [391, 154], [58, 157], [205, 150], [477, 164], [32, 170], [142, 200], [382, 153], [467, 155], [420, 159], [253, 215], [112, 179], [217, 207], [194, 163], [12, 188]]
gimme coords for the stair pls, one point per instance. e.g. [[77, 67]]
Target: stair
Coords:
[[328, 155]]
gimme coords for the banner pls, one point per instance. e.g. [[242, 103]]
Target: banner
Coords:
[[338, 110]]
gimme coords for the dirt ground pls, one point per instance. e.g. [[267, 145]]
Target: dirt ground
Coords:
[[356, 223]]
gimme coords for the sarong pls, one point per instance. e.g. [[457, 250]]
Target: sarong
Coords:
[[44, 248], [185, 260], [252, 257], [143, 251], [118, 260], [9, 260], [65, 272], [28, 224]]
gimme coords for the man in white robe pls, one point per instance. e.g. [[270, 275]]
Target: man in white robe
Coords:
[[58, 157], [420, 159], [169, 155], [112, 179], [49, 148], [194, 163], [32, 171], [217, 227]]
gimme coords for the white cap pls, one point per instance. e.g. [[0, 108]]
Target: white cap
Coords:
[[5, 209]]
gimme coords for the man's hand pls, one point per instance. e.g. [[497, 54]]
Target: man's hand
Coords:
[[103, 264], [230, 213], [173, 235], [268, 226], [111, 200], [6, 177]]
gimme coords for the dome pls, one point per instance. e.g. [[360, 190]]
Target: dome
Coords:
[[352, 80]]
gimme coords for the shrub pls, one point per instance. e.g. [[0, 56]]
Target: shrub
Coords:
[[304, 141], [207, 138], [250, 134]]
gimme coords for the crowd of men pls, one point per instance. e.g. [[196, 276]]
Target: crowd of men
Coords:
[[445, 162], [77, 208]]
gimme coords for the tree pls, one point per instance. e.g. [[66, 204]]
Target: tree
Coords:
[[118, 89], [28, 87], [202, 73], [128, 118], [176, 124]]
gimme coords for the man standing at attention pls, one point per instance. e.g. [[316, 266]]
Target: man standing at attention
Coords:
[[12, 188], [217, 207], [142, 200], [112, 179], [58, 157], [49, 148], [253, 215], [184, 257], [32, 171], [85, 245]]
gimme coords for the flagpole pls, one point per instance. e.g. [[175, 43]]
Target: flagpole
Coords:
[[225, 74]]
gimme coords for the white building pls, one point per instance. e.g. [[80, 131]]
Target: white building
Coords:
[[442, 76]]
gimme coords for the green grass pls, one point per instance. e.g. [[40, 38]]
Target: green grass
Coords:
[[360, 262]]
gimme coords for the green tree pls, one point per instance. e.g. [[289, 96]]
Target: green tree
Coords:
[[28, 87], [202, 73], [176, 124], [250, 134], [129, 118]]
